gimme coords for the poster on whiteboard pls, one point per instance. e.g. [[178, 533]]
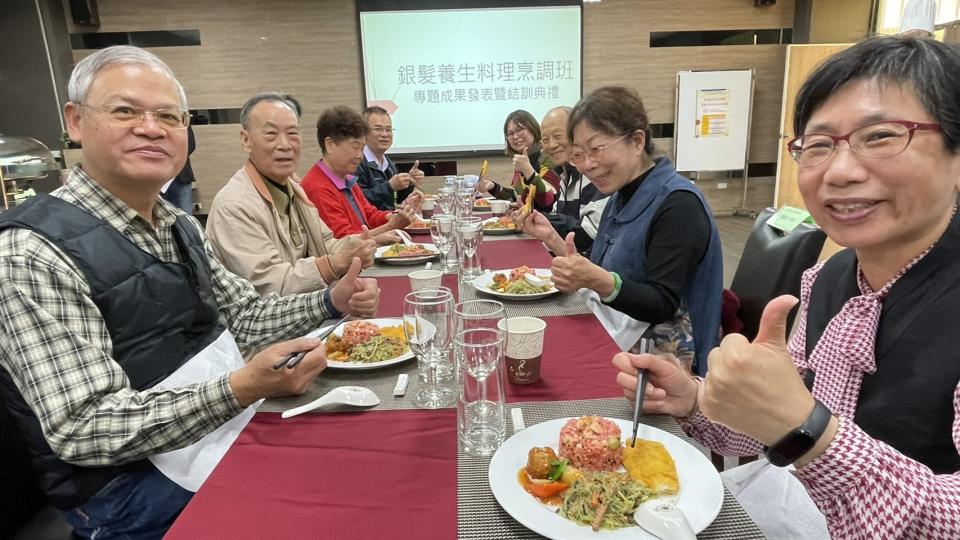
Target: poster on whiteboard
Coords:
[[712, 125], [712, 108]]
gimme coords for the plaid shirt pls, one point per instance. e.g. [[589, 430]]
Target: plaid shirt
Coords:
[[864, 487], [55, 344]]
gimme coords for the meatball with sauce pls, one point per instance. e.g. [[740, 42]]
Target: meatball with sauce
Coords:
[[539, 462]]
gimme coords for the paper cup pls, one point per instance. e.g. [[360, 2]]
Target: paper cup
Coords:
[[524, 348], [427, 208], [425, 279]]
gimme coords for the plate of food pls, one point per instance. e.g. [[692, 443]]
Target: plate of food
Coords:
[[513, 285], [418, 226], [481, 205], [500, 225], [579, 478], [366, 344], [406, 253]]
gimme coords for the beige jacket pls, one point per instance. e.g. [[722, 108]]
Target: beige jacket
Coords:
[[246, 234]]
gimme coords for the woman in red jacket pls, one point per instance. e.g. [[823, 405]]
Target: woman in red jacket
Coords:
[[332, 188]]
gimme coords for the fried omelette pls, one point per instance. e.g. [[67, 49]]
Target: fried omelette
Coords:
[[650, 464]]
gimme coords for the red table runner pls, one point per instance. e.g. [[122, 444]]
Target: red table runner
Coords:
[[381, 474], [394, 288], [576, 363], [503, 254]]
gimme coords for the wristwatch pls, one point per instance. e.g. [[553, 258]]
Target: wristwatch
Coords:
[[798, 442]]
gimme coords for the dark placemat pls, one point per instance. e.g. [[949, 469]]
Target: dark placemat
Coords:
[[480, 517]]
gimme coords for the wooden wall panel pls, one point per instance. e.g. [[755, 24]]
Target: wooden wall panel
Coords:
[[310, 49]]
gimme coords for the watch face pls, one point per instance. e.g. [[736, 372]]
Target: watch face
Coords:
[[791, 448]]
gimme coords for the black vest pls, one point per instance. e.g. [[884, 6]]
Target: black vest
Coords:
[[908, 401], [158, 314]]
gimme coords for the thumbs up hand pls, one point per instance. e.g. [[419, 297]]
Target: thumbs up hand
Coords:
[[355, 295], [521, 163], [572, 271], [416, 175], [754, 388]]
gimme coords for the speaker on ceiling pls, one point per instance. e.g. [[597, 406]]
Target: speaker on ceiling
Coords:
[[84, 12]]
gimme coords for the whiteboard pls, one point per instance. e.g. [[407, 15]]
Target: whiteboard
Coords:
[[712, 125]]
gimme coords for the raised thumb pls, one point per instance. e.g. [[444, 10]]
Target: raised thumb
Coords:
[[354, 271], [773, 322], [571, 246], [524, 151], [415, 165], [365, 233]]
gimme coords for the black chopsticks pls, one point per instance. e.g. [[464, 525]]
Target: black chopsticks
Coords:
[[646, 346]]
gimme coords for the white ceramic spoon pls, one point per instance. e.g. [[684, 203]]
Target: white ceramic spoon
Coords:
[[537, 281], [356, 396], [664, 520]]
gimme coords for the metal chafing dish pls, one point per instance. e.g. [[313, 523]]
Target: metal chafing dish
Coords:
[[22, 159]]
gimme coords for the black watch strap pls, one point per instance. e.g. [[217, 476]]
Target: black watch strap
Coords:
[[798, 442]]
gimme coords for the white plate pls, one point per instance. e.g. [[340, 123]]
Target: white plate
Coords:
[[700, 498], [378, 255], [497, 231], [361, 366], [482, 284]]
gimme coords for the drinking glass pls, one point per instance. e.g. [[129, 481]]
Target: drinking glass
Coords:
[[483, 315], [429, 325], [481, 418], [445, 200], [464, 205], [469, 238], [443, 234]]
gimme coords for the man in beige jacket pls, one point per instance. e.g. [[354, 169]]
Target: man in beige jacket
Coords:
[[261, 225]]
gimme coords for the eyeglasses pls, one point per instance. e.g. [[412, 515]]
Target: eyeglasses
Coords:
[[127, 116], [381, 130], [515, 132], [875, 141], [593, 153]]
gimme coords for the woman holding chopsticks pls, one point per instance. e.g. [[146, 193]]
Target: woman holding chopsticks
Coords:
[[531, 167]]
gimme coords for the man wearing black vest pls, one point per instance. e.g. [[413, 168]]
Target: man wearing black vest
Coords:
[[119, 356], [382, 184]]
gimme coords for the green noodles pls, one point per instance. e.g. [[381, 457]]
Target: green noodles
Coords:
[[522, 286], [377, 349], [617, 491]]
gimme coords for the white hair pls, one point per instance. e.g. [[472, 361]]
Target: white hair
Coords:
[[86, 69]]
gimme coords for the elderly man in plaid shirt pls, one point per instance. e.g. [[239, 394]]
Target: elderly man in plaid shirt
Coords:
[[120, 331]]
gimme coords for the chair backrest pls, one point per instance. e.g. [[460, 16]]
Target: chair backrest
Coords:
[[771, 265]]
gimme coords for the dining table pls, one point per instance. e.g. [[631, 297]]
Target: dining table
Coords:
[[396, 471]]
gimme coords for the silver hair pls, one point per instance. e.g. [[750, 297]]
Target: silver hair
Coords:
[[86, 70], [286, 99]]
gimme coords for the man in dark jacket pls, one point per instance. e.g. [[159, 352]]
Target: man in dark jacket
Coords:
[[382, 184]]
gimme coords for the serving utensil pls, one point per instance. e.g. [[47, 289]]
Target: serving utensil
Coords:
[[663, 519], [537, 281], [292, 360], [355, 396]]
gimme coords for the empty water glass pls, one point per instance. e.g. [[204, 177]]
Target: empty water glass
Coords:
[[469, 238], [445, 200], [443, 234], [481, 407], [429, 324], [464, 207]]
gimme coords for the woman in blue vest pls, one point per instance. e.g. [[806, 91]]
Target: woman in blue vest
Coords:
[[656, 258]]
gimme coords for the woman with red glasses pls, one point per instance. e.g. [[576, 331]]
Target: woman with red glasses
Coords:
[[864, 399], [531, 167]]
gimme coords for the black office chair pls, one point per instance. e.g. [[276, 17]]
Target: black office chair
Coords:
[[772, 264]]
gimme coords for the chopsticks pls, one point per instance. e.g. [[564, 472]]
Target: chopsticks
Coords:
[[646, 345], [291, 360]]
